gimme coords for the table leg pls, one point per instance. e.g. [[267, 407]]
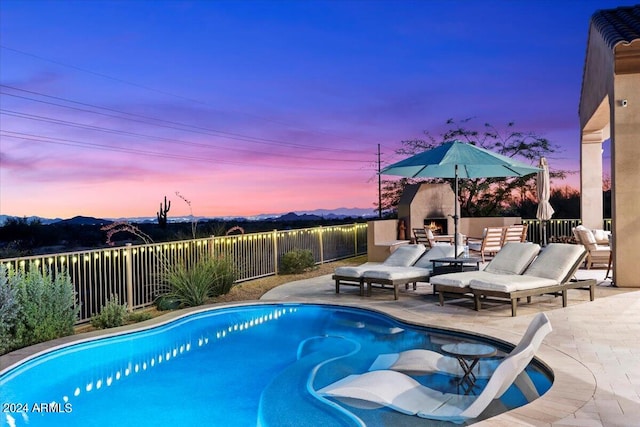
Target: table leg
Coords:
[[468, 380]]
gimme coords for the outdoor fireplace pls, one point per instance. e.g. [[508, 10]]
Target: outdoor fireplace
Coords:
[[436, 225]]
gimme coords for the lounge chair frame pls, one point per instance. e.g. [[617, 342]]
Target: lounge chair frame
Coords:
[[383, 283], [349, 281], [560, 289]]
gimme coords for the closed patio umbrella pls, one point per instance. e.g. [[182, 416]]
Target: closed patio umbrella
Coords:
[[543, 186], [456, 159]]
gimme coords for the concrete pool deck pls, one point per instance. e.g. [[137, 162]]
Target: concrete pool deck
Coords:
[[593, 350]]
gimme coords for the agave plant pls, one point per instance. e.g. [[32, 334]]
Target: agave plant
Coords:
[[192, 285]]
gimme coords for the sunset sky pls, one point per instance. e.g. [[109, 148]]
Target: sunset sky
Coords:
[[249, 107]]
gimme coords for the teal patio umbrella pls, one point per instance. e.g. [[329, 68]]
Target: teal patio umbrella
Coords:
[[456, 159]]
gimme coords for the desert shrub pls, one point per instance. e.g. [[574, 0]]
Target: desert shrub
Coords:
[[224, 276], [8, 312], [139, 317], [46, 305], [112, 314], [297, 261], [192, 285]]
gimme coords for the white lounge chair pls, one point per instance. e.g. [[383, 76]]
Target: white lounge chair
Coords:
[[404, 394], [512, 259], [404, 256], [421, 361], [550, 273], [420, 271]]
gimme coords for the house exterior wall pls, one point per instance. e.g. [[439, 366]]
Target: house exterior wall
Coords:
[[625, 179]]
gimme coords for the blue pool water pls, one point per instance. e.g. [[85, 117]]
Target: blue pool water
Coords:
[[238, 366]]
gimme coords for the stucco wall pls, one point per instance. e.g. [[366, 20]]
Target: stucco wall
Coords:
[[625, 178]]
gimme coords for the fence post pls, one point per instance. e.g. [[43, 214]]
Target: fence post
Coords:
[[355, 239], [320, 240], [275, 252], [211, 243], [129, 271]]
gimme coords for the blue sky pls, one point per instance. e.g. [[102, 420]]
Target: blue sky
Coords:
[[247, 107]]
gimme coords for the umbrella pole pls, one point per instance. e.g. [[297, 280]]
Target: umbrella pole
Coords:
[[455, 216]]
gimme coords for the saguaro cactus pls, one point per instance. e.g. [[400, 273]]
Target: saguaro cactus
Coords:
[[162, 213]]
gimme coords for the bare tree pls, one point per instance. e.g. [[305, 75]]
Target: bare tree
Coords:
[[482, 196]]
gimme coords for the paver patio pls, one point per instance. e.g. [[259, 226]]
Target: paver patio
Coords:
[[594, 349]]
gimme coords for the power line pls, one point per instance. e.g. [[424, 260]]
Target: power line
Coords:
[[122, 81], [169, 124], [103, 147], [61, 122]]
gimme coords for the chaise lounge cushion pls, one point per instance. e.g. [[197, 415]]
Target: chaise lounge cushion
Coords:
[[552, 267], [512, 259], [437, 251], [510, 283], [356, 270], [410, 274], [459, 280], [420, 270], [404, 256], [556, 261]]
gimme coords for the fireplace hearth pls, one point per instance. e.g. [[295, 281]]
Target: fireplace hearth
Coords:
[[437, 225]]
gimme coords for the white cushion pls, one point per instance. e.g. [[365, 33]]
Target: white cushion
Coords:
[[511, 283], [398, 273], [438, 251], [405, 255], [601, 236], [556, 261], [513, 258], [355, 271], [459, 280]]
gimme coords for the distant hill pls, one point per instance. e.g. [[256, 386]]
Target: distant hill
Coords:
[[84, 220], [312, 215], [292, 216]]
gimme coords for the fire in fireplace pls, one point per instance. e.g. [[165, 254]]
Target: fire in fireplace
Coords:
[[436, 225]]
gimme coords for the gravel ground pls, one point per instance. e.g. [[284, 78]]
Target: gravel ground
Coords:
[[254, 289]]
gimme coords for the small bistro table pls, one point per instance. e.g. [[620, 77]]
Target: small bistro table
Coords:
[[455, 265], [468, 355]]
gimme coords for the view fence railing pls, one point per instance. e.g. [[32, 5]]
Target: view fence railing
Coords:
[[557, 228], [134, 272]]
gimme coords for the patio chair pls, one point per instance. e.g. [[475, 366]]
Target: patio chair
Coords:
[[515, 233], [404, 256], [597, 253], [550, 273], [404, 394], [420, 236], [490, 242], [512, 259]]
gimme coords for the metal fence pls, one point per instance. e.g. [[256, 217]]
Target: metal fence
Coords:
[[555, 228], [134, 272]]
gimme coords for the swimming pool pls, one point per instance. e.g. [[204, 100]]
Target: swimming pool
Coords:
[[236, 366]]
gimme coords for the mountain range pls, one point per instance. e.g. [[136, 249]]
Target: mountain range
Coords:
[[312, 215]]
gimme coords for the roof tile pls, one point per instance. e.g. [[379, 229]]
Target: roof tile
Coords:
[[620, 25]]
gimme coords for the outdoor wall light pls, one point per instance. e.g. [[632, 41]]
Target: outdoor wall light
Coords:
[[623, 103]]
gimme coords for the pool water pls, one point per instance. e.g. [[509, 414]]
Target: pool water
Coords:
[[254, 365]]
